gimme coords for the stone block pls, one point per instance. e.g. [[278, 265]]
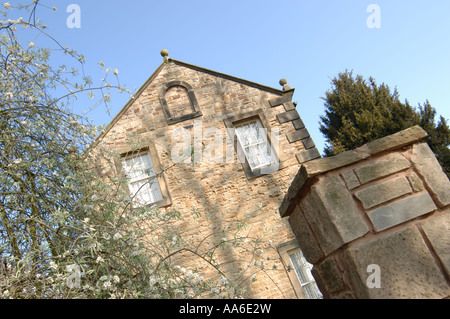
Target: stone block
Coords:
[[331, 275], [407, 268], [397, 140], [308, 143], [297, 184], [415, 182], [326, 164], [350, 179], [280, 100], [308, 244], [307, 155], [332, 214], [383, 192], [298, 124], [285, 208], [428, 166], [437, 229], [381, 168], [289, 106], [402, 210], [287, 116], [297, 135], [321, 225]]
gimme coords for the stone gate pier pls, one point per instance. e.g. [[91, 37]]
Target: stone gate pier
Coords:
[[374, 221]]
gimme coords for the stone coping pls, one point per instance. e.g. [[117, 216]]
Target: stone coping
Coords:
[[326, 164]]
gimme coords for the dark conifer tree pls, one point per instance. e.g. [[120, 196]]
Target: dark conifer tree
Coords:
[[358, 111]]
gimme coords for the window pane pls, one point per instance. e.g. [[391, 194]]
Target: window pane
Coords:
[[253, 139], [139, 167], [143, 184], [312, 291], [303, 270]]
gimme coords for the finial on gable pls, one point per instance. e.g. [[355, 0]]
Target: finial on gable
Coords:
[[165, 54], [283, 83]]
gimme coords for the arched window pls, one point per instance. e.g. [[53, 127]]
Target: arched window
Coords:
[[179, 102]]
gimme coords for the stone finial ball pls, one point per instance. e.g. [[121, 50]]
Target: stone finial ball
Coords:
[[283, 82], [164, 53]]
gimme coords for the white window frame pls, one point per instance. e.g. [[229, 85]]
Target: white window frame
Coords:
[[155, 174], [266, 133], [142, 180], [252, 137], [301, 287], [302, 269]]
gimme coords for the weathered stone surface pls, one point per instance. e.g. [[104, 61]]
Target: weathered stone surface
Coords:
[[297, 135], [307, 155], [415, 182], [333, 214], [380, 193], [331, 275], [299, 181], [308, 143], [285, 208], [326, 164], [428, 166], [320, 223], [298, 124], [437, 230], [287, 116], [381, 168], [350, 179], [397, 140], [391, 142], [287, 97], [308, 244], [401, 211], [289, 106], [407, 269]]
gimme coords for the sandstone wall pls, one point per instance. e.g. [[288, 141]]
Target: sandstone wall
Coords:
[[375, 221], [220, 192]]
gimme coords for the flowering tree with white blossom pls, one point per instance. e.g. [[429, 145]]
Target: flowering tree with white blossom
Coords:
[[66, 229]]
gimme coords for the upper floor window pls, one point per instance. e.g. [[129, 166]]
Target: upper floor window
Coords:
[[142, 179], [252, 138], [146, 180], [255, 142]]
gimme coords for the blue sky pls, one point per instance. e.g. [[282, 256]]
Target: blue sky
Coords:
[[306, 42]]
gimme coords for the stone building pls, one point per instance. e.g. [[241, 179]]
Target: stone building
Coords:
[[224, 150], [368, 223], [375, 221]]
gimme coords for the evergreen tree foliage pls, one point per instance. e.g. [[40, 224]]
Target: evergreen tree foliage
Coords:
[[358, 111]]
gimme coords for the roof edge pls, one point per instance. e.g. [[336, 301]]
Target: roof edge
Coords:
[[128, 104], [191, 66], [230, 77]]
